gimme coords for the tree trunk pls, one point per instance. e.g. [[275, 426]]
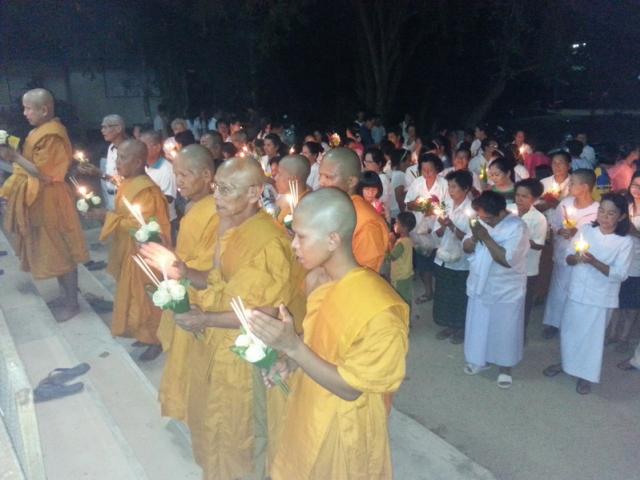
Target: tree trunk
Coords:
[[482, 109]]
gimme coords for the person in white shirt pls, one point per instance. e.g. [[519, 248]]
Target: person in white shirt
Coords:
[[527, 192], [519, 140], [498, 246], [556, 186], [599, 257], [461, 163], [161, 172], [429, 186], [160, 122], [199, 125], [398, 164], [480, 133], [179, 125], [484, 156], [114, 131], [572, 212], [450, 298], [588, 153], [313, 151]]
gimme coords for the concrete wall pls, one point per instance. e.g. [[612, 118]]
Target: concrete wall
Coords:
[[93, 95]]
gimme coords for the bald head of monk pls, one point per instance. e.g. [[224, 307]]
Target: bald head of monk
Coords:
[[39, 106], [132, 157], [292, 168], [323, 223], [239, 183], [194, 170], [340, 168]]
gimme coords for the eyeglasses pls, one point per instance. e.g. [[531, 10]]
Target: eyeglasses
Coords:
[[227, 190]]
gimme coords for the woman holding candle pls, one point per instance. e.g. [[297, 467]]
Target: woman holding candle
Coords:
[[572, 212], [599, 258], [556, 186], [430, 185], [498, 245], [450, 298], [629, 309]]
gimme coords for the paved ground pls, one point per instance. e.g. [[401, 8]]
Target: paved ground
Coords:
[[540, 428]]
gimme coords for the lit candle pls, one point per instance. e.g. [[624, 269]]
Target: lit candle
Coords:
[[292, 151], [80, 156], [555, 189], [581, 246], [469, 212], [135, 211]]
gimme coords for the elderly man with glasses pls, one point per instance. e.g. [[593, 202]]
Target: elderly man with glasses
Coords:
[[113, 131]]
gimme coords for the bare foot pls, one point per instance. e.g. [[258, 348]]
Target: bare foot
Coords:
[[65, 312]]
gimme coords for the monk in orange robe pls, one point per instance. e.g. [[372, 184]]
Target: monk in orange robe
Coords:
[[41, 215], [292, 169], [133, 311], [231, 418], [352, 354], [194, 170], [341, 168]]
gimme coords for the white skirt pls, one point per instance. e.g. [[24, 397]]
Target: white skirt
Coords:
[[582, 339], [557, 296], [494, 332]]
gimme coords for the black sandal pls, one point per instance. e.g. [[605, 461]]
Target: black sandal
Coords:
[[60, 376], [51, 391], [552, 370]]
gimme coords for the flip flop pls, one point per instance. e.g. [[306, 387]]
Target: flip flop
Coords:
[[552, 370], [505, 381], [51, 391], [583, 387], [474, 369], [60, 376]]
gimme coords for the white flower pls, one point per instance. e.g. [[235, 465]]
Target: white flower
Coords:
[[161, 297], [3, 137], [288, 219], [254, 353], [96, 200], [142, 235], [153, 226], [177, 291], [82, 205], [243, 340]]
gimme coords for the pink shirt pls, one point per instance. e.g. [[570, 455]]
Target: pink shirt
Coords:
[[620, 175]]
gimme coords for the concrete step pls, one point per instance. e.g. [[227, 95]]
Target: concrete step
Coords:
[[111, 430]]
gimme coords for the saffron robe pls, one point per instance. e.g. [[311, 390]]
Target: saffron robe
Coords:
[[366, 337], [133, 311], [41, 217], [371, 236], [226, 394], [195, 247]]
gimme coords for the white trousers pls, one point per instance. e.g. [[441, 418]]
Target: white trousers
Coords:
[[582, 339], [557, 296], [494, 332]]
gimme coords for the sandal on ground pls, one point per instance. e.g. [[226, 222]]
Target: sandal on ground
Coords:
[[51, 391], [552, 370], [60, 376], [470, 369], [424, 298], [457, 338], [445, 333], [583, 387], [626, 365], [504, 380]]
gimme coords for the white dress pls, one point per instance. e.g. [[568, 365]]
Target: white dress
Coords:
[[494, 331], [591, 299], [560, 275]]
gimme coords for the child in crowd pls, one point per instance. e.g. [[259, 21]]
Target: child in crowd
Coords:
[[401, 256]]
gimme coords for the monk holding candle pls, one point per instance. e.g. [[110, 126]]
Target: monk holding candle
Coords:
[[228, 412], [133, 311], [340, 168], [353, 353], [293, 171], [194, 170], [41, 214]]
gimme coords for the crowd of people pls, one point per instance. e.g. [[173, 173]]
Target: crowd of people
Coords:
[[325, 239]]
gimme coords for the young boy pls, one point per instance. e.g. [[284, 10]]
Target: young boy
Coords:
[[401, 256], [527, 193]]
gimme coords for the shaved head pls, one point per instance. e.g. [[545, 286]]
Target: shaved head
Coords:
[[340, 168], [296, 166], [132, 157], [196, 158], [40, 97], [242, 171], [114, 119], [347, 161], [326, 211]]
